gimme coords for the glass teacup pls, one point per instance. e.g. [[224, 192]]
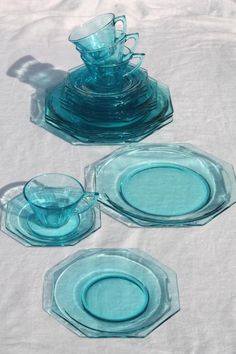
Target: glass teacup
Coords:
[[54, 198], [97, 33], [113, 74], [111, 54]]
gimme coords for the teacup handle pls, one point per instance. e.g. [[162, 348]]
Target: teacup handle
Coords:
[[91, 198], [134, 37], [140, 57], [123, 20]]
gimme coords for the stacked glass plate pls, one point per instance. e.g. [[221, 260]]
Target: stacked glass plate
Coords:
[[90, 114]]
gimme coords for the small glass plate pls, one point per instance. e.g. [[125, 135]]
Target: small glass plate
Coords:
[[112, 292], [162, 185], [19, 222]]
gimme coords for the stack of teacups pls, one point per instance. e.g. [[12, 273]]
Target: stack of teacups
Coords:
[[104, 50]]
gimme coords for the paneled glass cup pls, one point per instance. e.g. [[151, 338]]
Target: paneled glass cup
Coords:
[[54, 198], [112, 74], [108, 55], [97, 33]]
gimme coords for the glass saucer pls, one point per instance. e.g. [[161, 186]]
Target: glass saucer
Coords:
[[20, 223], [162, 185], [111, 293]]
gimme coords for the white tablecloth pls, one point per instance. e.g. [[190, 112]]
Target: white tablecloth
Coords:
[[191, 46]]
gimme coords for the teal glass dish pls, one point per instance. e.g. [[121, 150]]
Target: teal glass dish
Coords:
[[112, 74], [97, 33], [84, 112], [110, 99], [162, 185], [19, 221], [54, 198], [111, 293], [113, 54]]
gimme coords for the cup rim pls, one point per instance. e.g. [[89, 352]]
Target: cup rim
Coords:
[[51, 173], [88, 22]]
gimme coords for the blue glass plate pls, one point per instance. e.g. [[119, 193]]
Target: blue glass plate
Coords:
[[162, 185], [111, 292], [20, 223], [124, 114]]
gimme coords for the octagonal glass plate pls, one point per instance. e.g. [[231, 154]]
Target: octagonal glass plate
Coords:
[[162, 185], [113, 292]]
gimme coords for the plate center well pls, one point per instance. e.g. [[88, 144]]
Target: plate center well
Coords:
[[115, 297], [165, 190]]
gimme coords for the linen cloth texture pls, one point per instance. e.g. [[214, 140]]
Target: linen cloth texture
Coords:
[[189, 45]]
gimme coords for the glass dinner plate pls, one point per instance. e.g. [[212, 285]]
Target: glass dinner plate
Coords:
[[162, 185]]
